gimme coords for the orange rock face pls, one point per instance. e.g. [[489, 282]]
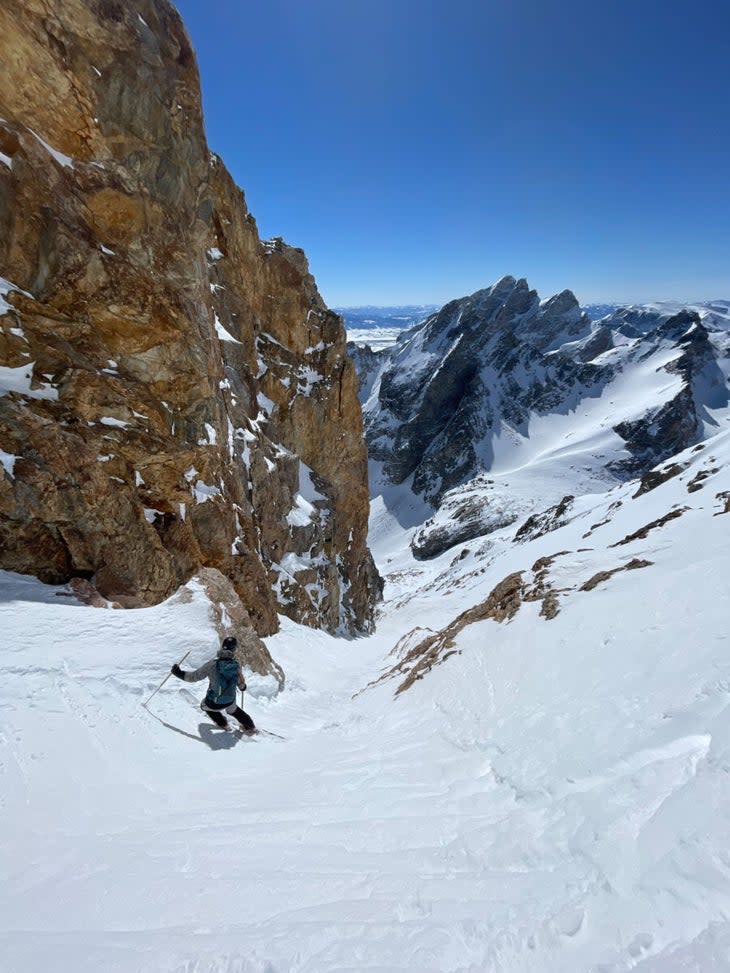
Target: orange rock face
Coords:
[[173, 392]]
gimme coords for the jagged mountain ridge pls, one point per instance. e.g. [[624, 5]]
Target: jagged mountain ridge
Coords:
[[501, 383], [174, 393]]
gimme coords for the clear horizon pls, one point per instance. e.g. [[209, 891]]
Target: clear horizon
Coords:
[[407, 304], [420, 158]]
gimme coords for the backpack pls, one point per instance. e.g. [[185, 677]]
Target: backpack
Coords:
[[222, 690]]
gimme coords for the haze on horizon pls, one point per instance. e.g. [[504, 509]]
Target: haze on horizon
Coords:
[[418, 157]]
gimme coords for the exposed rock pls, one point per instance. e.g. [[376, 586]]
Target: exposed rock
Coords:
[[421, 650], [600, 341], [466, 512], [367, 363], [607, 520], [679, 422], [181, 396], [725, 498], [502, 603], [660, 433], [600, 576], [698, 480], [86, 593], [542, 589], [545, 521], [418, 655], [644, 531], [231, 618], [654, 478]]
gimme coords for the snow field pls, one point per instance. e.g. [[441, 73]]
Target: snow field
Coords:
[[553, 798]]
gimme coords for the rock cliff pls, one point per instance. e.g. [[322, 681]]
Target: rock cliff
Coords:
[[174, 394]]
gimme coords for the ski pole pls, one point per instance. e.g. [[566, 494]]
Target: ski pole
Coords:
[[168, 676]]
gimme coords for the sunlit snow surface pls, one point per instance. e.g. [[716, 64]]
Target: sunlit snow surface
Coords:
[[553, 798]]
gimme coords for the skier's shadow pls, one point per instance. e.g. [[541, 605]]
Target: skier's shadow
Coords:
[[210, 735], [216, 738]]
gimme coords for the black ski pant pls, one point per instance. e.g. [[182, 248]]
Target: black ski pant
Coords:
[[218, 716]]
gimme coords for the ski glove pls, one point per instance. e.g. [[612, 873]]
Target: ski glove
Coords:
[[177, 671]]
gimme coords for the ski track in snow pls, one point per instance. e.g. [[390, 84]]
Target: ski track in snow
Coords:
[[553, 798]]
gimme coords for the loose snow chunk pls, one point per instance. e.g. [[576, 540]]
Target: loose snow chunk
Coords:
[[7, 460], [204, 492], [320, 346], [6, 160], [214, 253], [269, 337], [307, 490], [190, 474], [111, 421], [307, 378], [212, 437], [63, 160], [302, 513], [19, 380], [291, 563], [265, 403], [138, 481], [223, 334], [149, 514], [269, 465], [143, 21], [107, 251]]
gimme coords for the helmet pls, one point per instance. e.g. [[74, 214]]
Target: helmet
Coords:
[[230, 643]]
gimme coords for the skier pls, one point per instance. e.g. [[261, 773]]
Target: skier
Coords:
[[223, 674]]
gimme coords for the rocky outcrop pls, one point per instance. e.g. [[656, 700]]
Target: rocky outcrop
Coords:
[[679, 422], [174, 394], [539, 524], [418, 653], [229, 617], [470, 511]]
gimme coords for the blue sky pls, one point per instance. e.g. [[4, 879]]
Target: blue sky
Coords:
[[419, 151]]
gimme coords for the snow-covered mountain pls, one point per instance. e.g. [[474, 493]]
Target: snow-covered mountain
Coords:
[[500, 391]]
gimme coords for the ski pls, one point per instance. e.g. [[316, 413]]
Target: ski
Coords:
[[186, 694]]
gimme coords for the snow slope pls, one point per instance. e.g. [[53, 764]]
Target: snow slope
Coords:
[[551, 797]]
